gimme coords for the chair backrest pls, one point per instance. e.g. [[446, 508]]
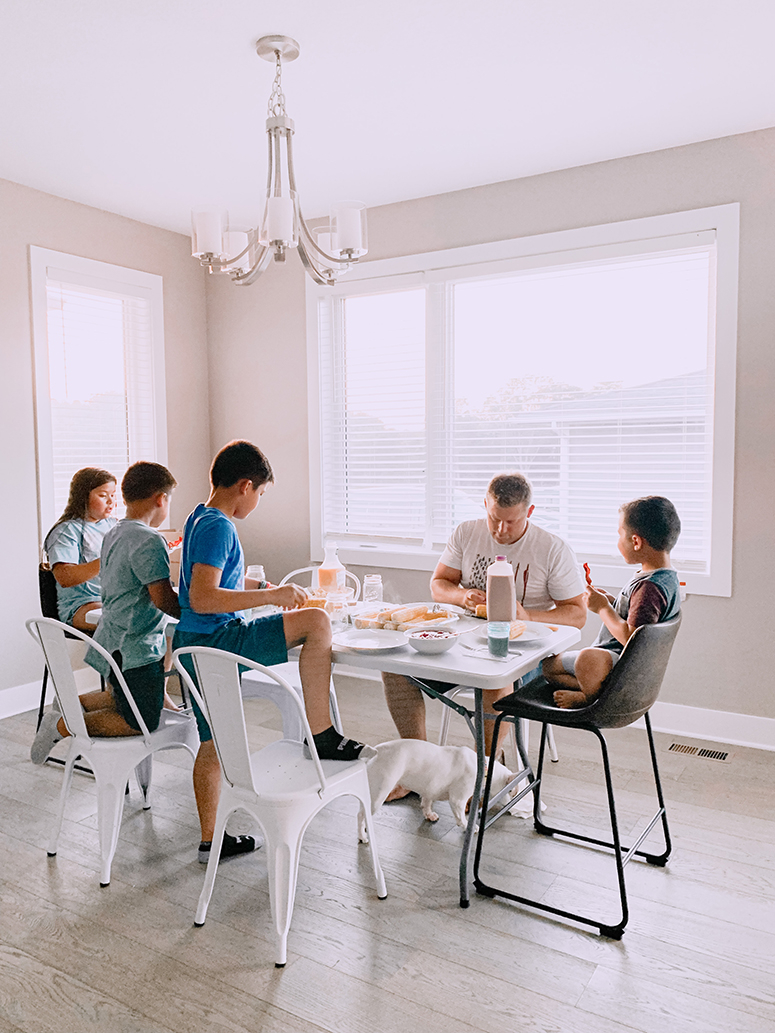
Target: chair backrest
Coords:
[[220, 700], [303, 581], [632, 687], [47, 587], [50, 635]]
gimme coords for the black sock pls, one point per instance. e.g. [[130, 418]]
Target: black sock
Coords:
[[332, 745]]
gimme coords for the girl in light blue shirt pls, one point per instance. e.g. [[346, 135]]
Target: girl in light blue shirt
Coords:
[[74, 542]]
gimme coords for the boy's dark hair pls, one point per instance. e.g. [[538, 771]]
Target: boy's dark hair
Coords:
[[510, 489], [81, 486], [237, 460], [144, 480], [655, 519]]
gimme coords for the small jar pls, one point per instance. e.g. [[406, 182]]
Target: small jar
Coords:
[[372, 588]]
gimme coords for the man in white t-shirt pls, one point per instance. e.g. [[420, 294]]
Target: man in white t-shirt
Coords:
[[547, 577]]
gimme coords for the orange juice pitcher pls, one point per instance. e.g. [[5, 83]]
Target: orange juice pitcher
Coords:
[[331, 572]]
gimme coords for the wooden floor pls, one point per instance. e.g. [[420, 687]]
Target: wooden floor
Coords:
[[698, 954]]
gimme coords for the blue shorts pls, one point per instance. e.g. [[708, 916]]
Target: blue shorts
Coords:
[[262, 640]]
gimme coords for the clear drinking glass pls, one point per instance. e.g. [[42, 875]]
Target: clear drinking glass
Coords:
[[498, 639], [255, 571]]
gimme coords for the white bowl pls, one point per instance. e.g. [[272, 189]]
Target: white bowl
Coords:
[[431, 640]]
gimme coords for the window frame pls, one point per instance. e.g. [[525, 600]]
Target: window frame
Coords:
[[669, 231], [103, 276]]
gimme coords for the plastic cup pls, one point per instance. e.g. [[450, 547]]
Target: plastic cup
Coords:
[[498, 639]]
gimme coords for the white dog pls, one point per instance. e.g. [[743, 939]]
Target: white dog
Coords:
[[435, 772]]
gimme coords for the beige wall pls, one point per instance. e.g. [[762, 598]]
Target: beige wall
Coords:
[[32, 217], [259, 389]]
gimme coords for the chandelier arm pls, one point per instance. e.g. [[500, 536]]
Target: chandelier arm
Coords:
[[245, 279], [314, 273], [342, 264]]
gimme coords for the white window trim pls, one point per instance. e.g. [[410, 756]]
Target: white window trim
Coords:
[[90, 273], [608, 241]]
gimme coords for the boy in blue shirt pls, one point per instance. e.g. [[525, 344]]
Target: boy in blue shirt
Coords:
[[136, 593], [648, 529], [213, 591]]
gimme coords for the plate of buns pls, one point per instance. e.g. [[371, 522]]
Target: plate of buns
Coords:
[[406, 617]]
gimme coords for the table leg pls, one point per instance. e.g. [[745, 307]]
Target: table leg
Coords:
[[473, 813]]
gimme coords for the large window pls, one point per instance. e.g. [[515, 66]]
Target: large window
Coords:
[[599, 362], [99, 370]]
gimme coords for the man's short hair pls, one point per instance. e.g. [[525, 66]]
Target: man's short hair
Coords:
[[144, 480], [655, 519], [510, 489], [238, 460]]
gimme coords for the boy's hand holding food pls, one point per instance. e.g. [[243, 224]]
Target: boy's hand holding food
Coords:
[[596, 600], [290, 597]]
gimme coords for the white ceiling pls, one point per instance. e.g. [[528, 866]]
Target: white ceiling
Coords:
[[148, 107]]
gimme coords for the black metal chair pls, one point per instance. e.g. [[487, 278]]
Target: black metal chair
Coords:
[[627, 694]]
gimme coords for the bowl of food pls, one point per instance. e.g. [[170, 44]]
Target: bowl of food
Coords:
[[431, 640]]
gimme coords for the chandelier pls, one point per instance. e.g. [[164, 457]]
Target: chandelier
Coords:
[[244, 255]]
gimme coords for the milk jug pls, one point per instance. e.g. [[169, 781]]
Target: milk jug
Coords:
[[501, 606], [331, 572]]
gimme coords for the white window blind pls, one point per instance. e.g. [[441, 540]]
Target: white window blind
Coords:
[[99, 373], [596, 374]]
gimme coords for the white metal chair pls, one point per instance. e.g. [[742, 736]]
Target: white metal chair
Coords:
[[111, 759], [349, 576], [277, 785]]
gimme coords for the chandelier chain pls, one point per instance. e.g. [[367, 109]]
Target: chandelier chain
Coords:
[[276, 106]]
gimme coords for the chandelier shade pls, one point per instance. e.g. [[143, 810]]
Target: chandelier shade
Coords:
[[243, 255]]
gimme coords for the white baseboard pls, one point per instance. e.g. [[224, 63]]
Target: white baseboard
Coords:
[[714, 725], [20, 698]]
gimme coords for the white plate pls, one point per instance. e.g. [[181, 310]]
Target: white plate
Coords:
[[531, 636], [369, 640]]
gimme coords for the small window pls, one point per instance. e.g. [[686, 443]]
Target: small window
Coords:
[[99, 371]]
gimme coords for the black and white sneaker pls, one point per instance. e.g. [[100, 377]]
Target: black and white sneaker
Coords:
[[232, 846]]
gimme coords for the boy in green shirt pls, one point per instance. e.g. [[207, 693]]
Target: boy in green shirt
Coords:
[[136, 593]]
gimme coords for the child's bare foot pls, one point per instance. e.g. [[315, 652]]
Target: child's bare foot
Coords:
[[169, 703], [397, 794], [568, 698]]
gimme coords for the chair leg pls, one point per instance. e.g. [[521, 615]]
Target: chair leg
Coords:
[[283, 849], [67, 779], [110, 807], [42, 697], [143, 774], [364, 798], [553, 754], [212, 867], [658, 859]]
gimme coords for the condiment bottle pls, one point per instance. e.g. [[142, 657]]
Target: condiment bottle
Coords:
[[331, 572], [501, 606]]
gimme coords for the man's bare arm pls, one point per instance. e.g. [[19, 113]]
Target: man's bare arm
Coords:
[[566, 611], [446, 588]]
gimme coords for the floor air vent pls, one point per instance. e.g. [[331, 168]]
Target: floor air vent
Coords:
[[696, 751]]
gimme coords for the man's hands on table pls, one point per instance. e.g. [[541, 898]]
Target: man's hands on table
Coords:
[[446, 588]]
